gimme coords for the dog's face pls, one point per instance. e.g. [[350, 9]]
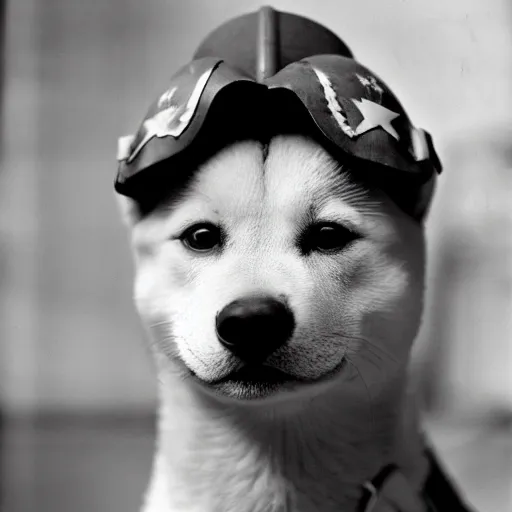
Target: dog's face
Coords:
[[269, 276]]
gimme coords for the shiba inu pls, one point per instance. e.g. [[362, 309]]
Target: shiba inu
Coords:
[[276, 221]]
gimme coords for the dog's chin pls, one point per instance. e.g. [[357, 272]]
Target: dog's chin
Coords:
[[264, 382]]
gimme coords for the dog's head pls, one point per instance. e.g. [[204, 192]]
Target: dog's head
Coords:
[[279, 266], [272, 269]]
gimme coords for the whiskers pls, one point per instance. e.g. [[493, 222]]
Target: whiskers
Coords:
[[162, 337], [379, 351], [368, 394]]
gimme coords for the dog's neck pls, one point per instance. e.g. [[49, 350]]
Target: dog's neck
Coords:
[[307, 456]]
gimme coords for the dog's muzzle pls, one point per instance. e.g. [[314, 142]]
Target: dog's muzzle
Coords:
[[254, 327]]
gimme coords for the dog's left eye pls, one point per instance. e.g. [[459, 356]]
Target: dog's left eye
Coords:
[[201, 237], [326, 237]]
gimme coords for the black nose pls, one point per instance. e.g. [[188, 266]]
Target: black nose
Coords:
[[254, 327]]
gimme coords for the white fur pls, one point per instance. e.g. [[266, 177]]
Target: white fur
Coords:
[[310, 448]]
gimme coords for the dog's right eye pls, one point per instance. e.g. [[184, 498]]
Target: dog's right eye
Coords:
[[201, 237]]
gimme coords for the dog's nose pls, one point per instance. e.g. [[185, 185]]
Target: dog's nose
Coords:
[[254, 327]]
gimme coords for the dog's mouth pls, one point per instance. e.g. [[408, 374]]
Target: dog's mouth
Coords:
[[262, 381], [254, 382], [256, 374]]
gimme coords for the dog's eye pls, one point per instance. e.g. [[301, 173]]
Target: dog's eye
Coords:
[[201, 237], [327, 237]]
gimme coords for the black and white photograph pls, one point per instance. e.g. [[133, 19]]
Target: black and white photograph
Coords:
[[256, 257]]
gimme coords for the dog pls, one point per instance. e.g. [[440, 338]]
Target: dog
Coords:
[[281, 283]]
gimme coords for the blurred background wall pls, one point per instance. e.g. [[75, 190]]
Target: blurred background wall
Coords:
[[79, 74]]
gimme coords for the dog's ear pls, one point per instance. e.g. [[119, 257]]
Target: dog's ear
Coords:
[[426, 190], [129, 209], [424, 199]]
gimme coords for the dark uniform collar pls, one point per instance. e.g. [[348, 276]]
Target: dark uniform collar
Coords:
[[439, 493]]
